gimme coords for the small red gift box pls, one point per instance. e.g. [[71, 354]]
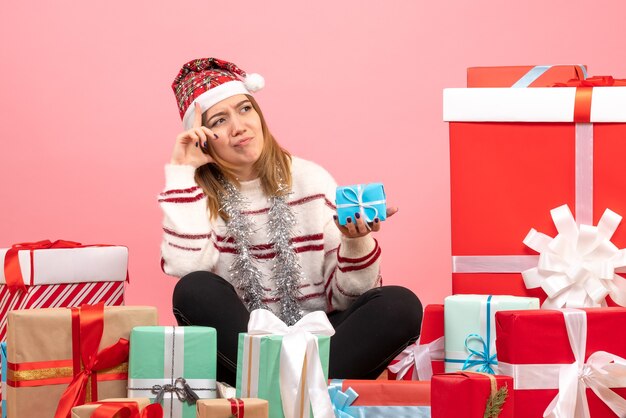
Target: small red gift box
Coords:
[[570, 349], [517, 153], [524, 75], [467, 394], [427, 351]]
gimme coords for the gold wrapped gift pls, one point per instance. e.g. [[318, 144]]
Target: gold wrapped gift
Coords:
[[233, 407], [63, 357]]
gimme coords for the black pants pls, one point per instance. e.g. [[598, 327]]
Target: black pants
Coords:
[[369, 334]]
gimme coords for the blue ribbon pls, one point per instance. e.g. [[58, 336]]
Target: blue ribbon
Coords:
[[340, 400], [484, 358], [535, 73]]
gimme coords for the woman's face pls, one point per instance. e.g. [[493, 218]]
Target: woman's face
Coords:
[[239, 130]]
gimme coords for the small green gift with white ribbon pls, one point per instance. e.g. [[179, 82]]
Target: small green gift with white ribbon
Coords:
[[174, 366]]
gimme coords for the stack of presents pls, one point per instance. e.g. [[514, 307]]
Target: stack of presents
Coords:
[[535, 326]]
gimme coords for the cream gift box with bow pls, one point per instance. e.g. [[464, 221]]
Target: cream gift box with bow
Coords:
[[173, 366], [566, 363], [516, 153], [286, 365], [470, 330]]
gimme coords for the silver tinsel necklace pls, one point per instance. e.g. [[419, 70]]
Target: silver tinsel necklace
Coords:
[[286, 272]]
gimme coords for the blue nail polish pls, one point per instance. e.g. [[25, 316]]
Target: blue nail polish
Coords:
[[357, 215], [349, 220], [376, 220]]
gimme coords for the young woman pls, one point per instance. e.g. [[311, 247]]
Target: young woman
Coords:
[[248, 226]]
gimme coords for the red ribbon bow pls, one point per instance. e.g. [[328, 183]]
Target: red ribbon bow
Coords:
[[236, 407], [87, 329], [12, 270], [127, 410], [584, 91]]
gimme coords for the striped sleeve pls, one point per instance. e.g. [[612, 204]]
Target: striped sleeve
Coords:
[[352, 265], [188, 238]]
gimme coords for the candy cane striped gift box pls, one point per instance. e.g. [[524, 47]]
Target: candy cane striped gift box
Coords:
[[64, 277]]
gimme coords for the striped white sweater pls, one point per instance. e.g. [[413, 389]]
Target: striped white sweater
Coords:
[[336, 269]]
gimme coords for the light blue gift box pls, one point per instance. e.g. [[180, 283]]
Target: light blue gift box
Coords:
[[470, 330], [3, 358], [367, 199]]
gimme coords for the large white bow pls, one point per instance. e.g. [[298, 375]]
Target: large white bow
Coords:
[[601, 372], [302, 379], [577, 268], [421, 356]]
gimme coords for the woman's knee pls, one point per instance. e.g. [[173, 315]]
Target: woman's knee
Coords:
[[195, 286], [403, 307]]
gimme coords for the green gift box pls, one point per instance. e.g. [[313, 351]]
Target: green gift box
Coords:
[[259, 366], [167, 364], [470, 329]]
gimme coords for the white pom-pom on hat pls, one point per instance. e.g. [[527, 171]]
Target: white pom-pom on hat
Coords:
[[254, 82]]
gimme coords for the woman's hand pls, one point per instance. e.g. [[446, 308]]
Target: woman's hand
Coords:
[[360, 228], [187, 147]]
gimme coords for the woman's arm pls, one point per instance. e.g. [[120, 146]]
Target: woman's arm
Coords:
[[188, 238]]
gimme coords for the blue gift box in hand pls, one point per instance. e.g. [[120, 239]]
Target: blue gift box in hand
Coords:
[[366, 199]]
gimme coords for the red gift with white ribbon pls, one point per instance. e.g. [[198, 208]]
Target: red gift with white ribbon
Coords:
[[568, 363]]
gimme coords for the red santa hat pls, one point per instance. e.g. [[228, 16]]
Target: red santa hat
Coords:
[[208, 81]]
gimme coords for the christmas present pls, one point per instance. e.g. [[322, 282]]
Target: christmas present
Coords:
[[565, 363], [517, 153], [233, 408], [286, 365], [423, 358], [366, 199], [472, 395], [380, 398], [470, 330], [56, 274], [118, 408], [66, 357], [173, 366], [524, 75]]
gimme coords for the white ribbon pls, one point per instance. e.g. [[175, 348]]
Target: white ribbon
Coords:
[[173, 368], [357, 200], [577, 268], [302, 379], [601, 372], [420, 355]]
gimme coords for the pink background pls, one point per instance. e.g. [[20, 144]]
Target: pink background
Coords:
[[89, 118]]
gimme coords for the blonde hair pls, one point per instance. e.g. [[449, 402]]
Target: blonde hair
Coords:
[[273, 168]]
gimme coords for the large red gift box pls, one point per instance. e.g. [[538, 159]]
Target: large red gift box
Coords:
[[465, 394], [524, 75], [517, 153], [536, 346], [430, 340]]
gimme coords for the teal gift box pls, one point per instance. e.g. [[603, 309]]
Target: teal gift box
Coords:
[[367, 199], [3, 359], [258, 368], [166, 364], [470, 330]]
